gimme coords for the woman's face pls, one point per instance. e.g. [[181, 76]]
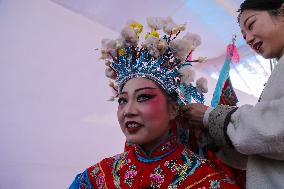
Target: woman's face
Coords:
[[263, 32], [143, 113]]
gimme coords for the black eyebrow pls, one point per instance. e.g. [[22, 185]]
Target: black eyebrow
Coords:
[[140, 89]]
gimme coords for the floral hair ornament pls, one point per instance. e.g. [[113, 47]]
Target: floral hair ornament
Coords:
[[165, 60]]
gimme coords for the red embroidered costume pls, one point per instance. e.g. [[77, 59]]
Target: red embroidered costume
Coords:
[[170, 165]]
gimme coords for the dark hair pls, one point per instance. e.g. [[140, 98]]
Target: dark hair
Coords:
[[173, 97], [271, 6]]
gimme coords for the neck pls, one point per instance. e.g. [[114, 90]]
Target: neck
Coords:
[[280, 54], [148, 148]]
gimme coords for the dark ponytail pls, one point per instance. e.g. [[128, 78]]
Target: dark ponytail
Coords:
[[271, 6]]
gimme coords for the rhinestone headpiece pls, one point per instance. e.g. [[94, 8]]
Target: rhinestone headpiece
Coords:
[[166, 60]]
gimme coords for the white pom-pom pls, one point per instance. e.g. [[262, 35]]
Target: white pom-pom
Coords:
[[110, 73], [194, 39], [108, 63], [108, 48], [182, 27], [201, 85], [104, 55], [112, 98], [129, 36], [114, 90], [180, 48], [155, 23], [108, 44], [113, 86], [187, 75], [120, 43], [202, 59], [162, 46], [168, 20], [155, 46], [151, 44], [170, 27]]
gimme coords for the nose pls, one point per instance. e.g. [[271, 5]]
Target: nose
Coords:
[[249, 39], [130, 109]]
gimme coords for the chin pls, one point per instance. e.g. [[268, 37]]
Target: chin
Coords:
[[270, 54], [266, 55]]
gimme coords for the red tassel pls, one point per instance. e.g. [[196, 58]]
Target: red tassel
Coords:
[[232, 52]]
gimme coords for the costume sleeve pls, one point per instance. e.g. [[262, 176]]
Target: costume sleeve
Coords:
[[206, 116], [81, 181], [254, 130], [251, 130], [232, 158]]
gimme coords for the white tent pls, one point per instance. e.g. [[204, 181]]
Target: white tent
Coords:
[[55, 119]]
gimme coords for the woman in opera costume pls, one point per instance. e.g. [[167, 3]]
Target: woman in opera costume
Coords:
[[151, 83], [252, 137]]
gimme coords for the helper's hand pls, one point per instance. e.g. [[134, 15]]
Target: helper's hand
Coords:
[[192, 115]]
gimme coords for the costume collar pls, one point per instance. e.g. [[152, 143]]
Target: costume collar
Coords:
[[166, 147]]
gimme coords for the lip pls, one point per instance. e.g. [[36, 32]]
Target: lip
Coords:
[[257, 46], [132, 126]]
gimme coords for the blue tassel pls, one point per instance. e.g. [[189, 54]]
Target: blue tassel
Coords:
[[224, 75]]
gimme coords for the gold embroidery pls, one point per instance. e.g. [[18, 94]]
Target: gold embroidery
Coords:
[[198, 182], [103, 175]]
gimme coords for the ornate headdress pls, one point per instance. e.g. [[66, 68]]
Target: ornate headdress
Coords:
[[166, 60]]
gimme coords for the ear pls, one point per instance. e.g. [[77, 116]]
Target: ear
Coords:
[[173, 110]]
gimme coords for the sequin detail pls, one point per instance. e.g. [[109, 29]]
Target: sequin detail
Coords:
[[130, 175], [182, 170], [157, 178], [214, 184]]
